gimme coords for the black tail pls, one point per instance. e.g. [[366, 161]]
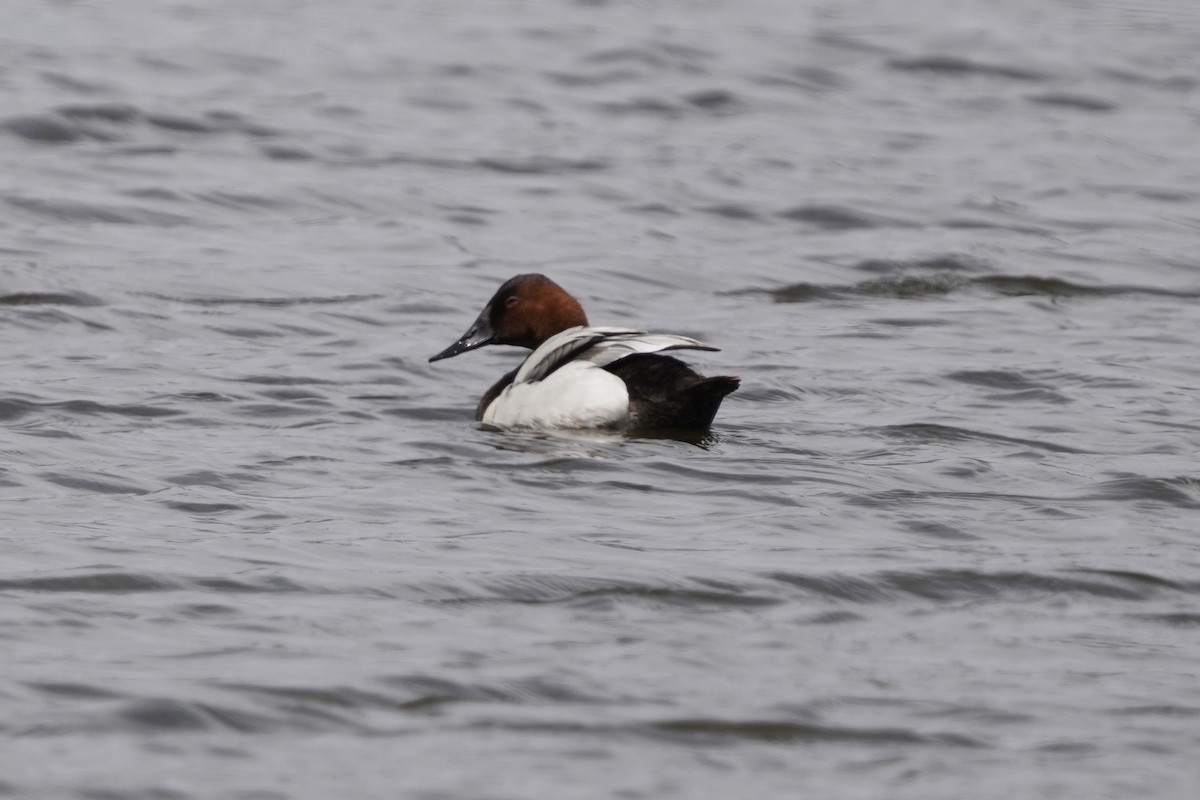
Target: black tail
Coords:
[[665, 393], [706, 397]]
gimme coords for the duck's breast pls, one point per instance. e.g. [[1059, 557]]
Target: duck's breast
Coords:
[[578, 394]]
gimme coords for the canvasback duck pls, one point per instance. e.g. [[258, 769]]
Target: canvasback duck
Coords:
[[583, 377]]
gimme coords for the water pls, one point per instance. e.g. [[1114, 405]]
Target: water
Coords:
[[941, 544]]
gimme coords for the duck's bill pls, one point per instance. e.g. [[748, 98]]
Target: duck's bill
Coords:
[[479, 334]]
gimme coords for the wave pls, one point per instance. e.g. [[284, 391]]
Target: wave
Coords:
[[920, 287]]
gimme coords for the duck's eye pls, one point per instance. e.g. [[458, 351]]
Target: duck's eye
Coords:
[[512, 301]]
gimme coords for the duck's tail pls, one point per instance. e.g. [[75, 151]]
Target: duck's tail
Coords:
[[705, 396], [665, 393]]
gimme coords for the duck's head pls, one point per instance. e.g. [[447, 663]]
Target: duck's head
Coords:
[[525, 311]]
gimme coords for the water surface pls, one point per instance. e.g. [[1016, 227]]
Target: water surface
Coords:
[[942, 543]]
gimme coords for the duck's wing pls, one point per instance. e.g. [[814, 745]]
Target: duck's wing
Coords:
[[627, 343], [599, 346], [562, 348]]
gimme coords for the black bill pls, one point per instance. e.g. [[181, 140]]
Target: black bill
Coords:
[[479, 334]]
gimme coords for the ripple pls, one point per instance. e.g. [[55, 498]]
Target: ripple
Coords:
[[1165, 710], [1039, 286], [79, 299], [409, 693], [1074, 102], [74, 84], [17, 407], [169, 715], [957, 67], [107, 112], [38, 317], [717, 101], [165, 715], [658, 55], [951, 585], [593, 592], [173, 122], [266, 585], [94, 582], [112, 122], [839, 218], [937, 530], [915, 287], [803, 292], [244, 201], [427, 690], [202, 508], [74, 691], [541, 165], [951, 262], [97, 483], [116, 582], [78, 212], [925, 432], [1180, 619], [265, 302], [911, 286], [643, 106], [283, 152], [285, 380], [340, 707], [330, 704], [576, 80], [1172, 83], [1017, 388], [719, 731], [707, 730], [46, 129], [733, 211], [995, 379], [807, 79], [94, 408], [1181, 492]]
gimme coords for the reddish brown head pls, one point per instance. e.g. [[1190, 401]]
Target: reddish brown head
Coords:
[[526, 311]]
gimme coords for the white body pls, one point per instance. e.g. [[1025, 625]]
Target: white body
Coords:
[[576, 395], [563, 383]]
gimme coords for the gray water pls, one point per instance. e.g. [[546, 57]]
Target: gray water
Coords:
[[941, 544]]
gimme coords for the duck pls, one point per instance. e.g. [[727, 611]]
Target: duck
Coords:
[[584, 377]]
